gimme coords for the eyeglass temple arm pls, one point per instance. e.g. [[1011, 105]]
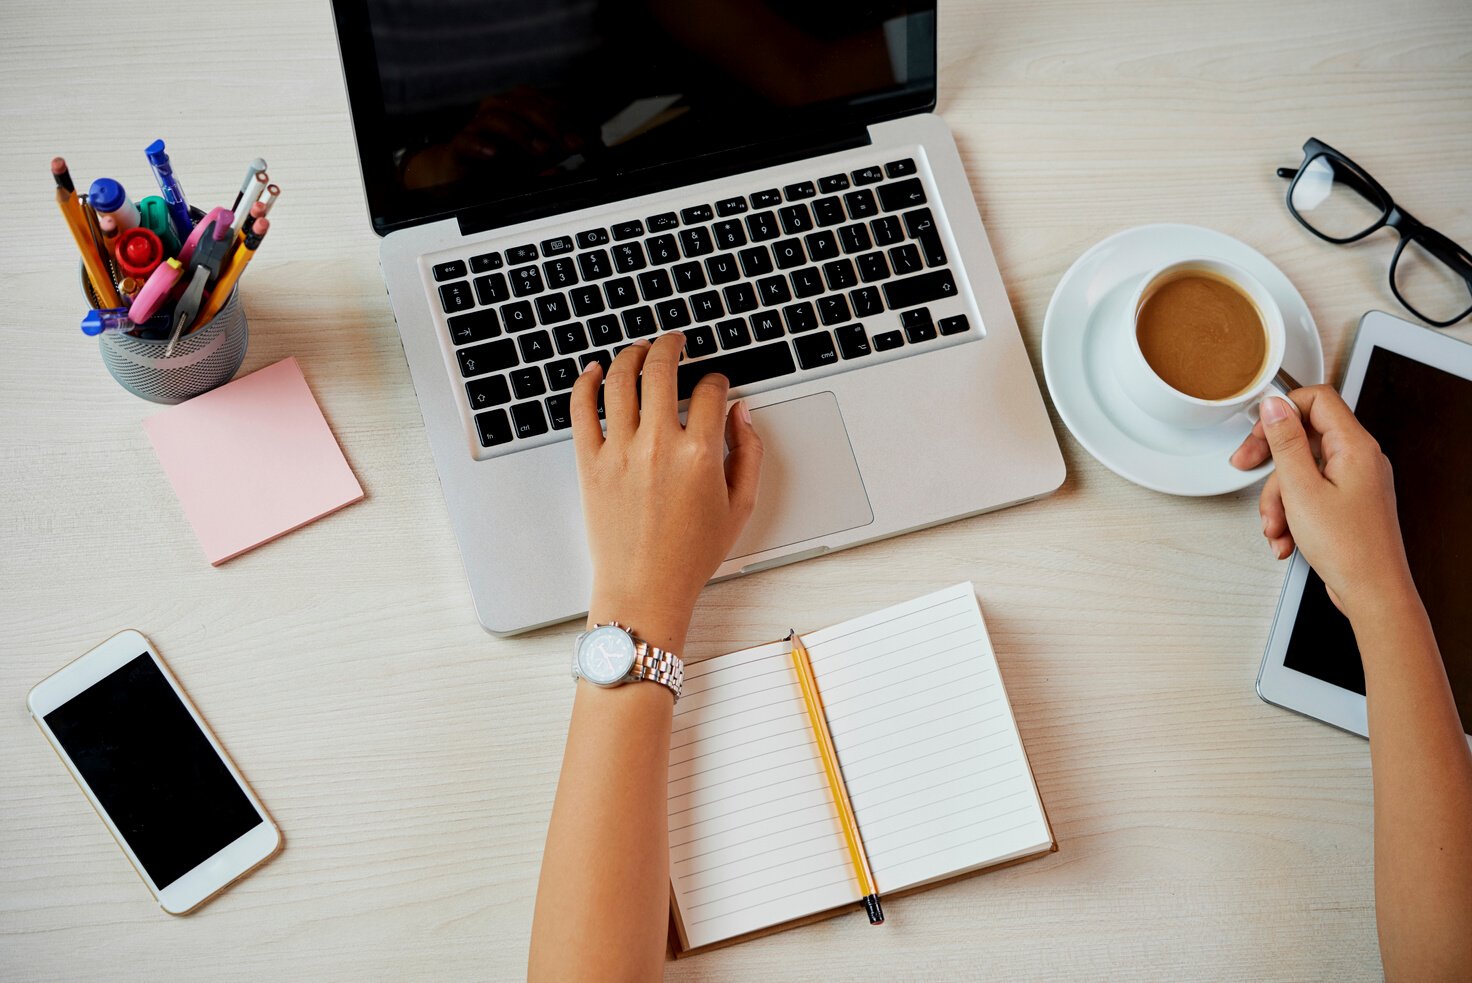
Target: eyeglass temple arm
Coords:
[[1349, 178]]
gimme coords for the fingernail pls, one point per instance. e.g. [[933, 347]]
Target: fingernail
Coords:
[[744, 411], [1273, 409], [1264, 525]]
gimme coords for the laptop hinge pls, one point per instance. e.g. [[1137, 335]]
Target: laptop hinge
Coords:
[[632, 184]]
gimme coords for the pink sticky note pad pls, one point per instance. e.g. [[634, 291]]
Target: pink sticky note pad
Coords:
[[252, 460]]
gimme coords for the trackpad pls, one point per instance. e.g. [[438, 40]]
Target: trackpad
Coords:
[[810, 480]]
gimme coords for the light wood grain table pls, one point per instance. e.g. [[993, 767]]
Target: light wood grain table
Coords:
[[411, 759]]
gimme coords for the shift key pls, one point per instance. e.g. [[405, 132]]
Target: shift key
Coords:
[[913, 291]]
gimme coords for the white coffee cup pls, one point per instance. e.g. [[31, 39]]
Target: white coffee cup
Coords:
[[1163, 401]]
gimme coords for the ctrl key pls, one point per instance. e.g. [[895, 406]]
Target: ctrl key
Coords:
[[494, 428]]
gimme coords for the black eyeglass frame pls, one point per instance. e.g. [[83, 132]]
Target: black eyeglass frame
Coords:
[[1392, 216]]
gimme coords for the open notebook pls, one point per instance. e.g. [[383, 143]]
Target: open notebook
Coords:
[[926, 741]]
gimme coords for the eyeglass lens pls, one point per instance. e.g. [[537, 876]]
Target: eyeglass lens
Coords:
[[1428, 285], [1331, 199]]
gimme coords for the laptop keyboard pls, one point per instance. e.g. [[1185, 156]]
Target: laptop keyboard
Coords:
[[772, 285]]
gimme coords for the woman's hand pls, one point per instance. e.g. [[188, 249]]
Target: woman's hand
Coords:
[[1342, 518], [663, 503]]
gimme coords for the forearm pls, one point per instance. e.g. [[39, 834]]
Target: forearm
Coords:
[[1422, 773]]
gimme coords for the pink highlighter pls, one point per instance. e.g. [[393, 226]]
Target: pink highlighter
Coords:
[[222, 217], [156, 291]]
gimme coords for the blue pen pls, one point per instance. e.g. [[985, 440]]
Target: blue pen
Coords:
[[95, 322], [169, 185]]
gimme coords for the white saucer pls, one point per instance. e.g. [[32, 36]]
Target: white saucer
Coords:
[[1085, 324]]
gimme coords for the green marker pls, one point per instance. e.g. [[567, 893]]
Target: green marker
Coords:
[[153, 214]]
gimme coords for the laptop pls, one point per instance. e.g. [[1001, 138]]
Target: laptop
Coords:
[[555, 179]]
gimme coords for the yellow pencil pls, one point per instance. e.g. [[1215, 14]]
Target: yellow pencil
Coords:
[[243, 252], [101, 280], [819, 720]]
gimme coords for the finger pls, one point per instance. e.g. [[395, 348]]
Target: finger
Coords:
[[744, 463], [1270, 506], [1253, 451], [706, 417], [1297, 469], [621, 391], [1282, 547], [587, 435], [661, 382]]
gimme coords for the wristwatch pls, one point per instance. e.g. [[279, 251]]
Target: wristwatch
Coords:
[[610, 655]]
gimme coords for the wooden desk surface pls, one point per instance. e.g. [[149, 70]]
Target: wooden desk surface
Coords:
[[411, 759]]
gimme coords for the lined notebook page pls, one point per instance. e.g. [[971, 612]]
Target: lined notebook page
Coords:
[[926, 740]]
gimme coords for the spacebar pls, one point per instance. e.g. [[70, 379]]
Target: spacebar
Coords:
[[741, 367]]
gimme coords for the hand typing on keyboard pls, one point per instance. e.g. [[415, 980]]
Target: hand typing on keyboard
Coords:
[[663, 503]]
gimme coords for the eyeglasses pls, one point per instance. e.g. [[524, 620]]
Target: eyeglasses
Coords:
[[1338, 201]]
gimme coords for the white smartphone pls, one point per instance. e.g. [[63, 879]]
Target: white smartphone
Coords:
[[149, 765]]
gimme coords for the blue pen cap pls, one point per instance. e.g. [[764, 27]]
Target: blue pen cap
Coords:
[[155, 152], [106, 195]]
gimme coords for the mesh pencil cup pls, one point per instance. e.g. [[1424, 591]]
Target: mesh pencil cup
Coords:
[[202, 360]]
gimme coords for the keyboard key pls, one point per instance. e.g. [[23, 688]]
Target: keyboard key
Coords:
[[922, 228], [733, 333], [527, 420], [902, 194], [494, 428], [561, 374], [852, 341], [740, 298], [518, 316], [585, 300], [662, 221], [696, 213], [604, 331], [840, 274], [620, 292], [832, 309], [743, 367], [526, 383], [828, 211], [486, 262], [789, 253], [521, 254], [869, 175], [488, 392], [535, 346], [887, 230], [655, 284], [452, 270], [699, 342], [559, 410], [803, 189], [773, 290], [816, 350], [493, 356], [570, 338], [673, 314], [605, 359], [918, 325], [796, 219], [756, 261], [706, 306], [456, 296], [866, 302], [595, 265], [593, 237], [558, 246], [821, 245], [954, 325], [900, 168], [922, 289], [475, 326], [835, 182], [629, 256], [855, 238], [890, 339], [800, 317], [697, 242], [762, 226], [688, 277], [560, 273], [553, 309], [662, 249], [806, 282], [905, 259], [729, 234], [526, 280], [873, 268], [766, 325], [628, 230], [861, 203], [723, 269], [492, 289], [766, 199], [730, 206], [639, 322]]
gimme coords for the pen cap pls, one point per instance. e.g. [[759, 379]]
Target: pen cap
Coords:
[[153, 214], [108, 197]]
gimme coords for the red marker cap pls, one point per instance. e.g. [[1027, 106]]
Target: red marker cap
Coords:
[[139, 251]]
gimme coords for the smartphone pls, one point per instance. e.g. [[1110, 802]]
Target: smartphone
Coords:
[[149, 765]]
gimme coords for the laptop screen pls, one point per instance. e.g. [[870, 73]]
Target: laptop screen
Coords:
[[522, 104]]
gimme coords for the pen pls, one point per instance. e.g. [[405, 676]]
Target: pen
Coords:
[[173, 194], [819, 720], [255, 167], [95, 322], [153, 214], [230, 275]]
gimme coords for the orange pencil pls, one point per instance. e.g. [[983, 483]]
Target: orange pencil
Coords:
[[71, 211]]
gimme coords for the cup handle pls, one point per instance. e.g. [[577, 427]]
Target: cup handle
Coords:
[[1279, 385]]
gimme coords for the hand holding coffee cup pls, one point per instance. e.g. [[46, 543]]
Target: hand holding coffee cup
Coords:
[[1206, 341]]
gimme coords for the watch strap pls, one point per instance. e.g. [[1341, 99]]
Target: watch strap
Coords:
[[656, 665]]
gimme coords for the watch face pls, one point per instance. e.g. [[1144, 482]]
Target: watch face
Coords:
[[606, 655]]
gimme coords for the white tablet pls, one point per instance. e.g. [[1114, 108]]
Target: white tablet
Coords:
[[1412, 389]]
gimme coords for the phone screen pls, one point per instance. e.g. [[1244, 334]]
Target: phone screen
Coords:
[[153, 770]]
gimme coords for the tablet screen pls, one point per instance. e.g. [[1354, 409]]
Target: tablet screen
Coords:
[[1422, 417]]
